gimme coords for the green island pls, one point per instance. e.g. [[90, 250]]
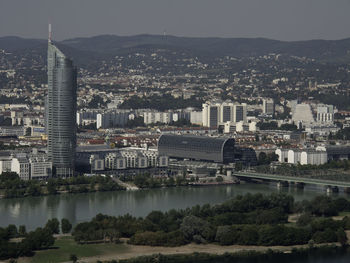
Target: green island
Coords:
[[255, 225], [11, 186]]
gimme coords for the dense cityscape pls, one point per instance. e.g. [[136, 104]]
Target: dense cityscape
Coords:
[[282, 113]]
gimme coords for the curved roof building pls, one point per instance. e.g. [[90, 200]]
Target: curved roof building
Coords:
[[61, 111], [220, 150]]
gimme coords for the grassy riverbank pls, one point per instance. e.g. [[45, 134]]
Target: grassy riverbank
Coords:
[[65, 246]]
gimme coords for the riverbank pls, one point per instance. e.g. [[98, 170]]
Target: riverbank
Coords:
[[245, 223], [65, 246], [11, 186]]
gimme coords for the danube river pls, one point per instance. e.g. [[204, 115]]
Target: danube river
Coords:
[[35, 211]]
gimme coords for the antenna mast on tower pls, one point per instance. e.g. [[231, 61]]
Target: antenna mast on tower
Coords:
[[50, 33]]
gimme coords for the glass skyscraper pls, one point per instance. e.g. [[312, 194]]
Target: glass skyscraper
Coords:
[[61, 111]]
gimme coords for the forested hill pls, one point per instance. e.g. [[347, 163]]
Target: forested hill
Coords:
[[100, 46]]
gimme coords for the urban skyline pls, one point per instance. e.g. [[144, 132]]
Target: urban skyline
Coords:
[[136, 148]]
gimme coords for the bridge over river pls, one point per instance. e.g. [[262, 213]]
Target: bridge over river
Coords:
[[292, 179]]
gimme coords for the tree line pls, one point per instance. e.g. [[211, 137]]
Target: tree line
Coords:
[[148, 181], [245, 220], [13, 186], [161, 103]]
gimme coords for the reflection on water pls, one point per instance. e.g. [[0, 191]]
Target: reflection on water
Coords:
[[35, 211]]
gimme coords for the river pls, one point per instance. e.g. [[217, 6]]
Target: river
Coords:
[[35, 211]]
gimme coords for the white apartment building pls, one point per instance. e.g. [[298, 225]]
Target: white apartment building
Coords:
[[85, 117], [196, 117], [216, 113], [21, 166], [28, 167], [5, 164], [40, 168], [303, 157], [135, 158], [150, 117], [115, 161], [111, 119], [325, 114]]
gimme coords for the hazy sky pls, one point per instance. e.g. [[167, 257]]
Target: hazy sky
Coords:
[[277, 19]]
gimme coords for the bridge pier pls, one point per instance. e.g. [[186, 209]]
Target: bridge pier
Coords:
[[283, 181], [300, 185], [332, 189], [281, 184]]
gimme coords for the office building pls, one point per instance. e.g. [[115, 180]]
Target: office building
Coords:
[[61, 111], [325, 113], [268, 107]]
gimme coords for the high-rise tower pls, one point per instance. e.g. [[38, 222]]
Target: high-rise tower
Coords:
[[61, 111]]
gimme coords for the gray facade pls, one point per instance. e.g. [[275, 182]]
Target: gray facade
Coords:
[[239, 113], [226, 113], [214, 116], [219, 150], [61, 111]]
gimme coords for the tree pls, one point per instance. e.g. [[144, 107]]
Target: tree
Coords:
[[38, 239], [192, 225], [66, 226], [12, 231], [341, 236], [22, 230], [51, 187], [73, 257], [226, 235], [304, 219], [219, 179], [33, 190], [53, 225], [262, 159], [238, 167]]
